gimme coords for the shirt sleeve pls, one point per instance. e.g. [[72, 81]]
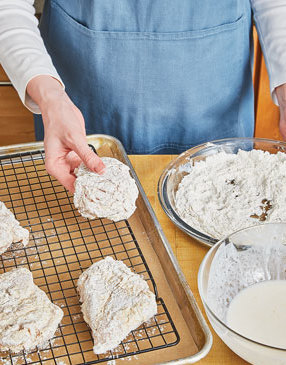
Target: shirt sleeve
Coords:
[[270, 21], [22, 51]]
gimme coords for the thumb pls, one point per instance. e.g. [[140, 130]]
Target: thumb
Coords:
[[89, 158]]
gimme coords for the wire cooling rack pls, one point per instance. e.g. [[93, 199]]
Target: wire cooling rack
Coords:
[[62, 245]]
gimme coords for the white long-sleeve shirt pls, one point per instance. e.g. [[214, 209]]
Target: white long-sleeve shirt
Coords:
[[24, 56]]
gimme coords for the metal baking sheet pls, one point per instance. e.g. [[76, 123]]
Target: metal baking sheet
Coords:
[[63, 244]]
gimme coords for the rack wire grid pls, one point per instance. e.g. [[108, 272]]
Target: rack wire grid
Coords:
[[62, 245]]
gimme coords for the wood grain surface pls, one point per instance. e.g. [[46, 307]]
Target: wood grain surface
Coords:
[[267, 113], [189, 252], [16, 121], [3, 76]]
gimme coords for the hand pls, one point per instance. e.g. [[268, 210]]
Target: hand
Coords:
[[281, 96], [65, 137]]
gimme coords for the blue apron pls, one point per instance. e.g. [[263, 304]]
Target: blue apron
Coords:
[[160, 75]]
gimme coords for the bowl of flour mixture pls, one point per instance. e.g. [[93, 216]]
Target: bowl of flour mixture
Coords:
[[222, 186]]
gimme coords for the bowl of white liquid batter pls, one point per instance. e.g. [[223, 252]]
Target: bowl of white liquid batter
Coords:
[[242, 283]]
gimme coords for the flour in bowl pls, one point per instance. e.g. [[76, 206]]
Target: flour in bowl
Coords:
[[227, 192]]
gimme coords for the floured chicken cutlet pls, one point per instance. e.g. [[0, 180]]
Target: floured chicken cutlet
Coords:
[[27, 317], [115, 301], [10, 229], [111, 195]]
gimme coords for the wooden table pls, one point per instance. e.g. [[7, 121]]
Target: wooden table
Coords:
[[188, 251]]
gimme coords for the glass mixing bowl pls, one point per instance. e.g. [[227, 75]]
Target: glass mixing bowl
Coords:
[[244, 258], [178, 168]]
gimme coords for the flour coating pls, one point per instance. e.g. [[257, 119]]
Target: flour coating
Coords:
[[115, 301], [10, 229], [227, 192], [111, 195], [27, 317]]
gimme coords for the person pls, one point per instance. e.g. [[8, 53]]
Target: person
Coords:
[[160, 75]]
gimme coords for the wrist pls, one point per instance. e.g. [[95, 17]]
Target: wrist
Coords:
[[281, 95], [44, 89]]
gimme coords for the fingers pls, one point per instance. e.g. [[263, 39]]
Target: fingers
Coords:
[[73, 160], [65, 142], [89, 158], [67, 181], [62, 173], [62, 167]]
